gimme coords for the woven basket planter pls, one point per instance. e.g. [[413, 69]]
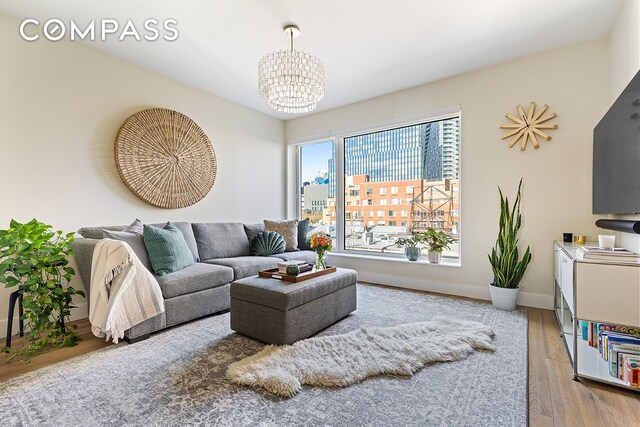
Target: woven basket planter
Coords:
[[165, 158]]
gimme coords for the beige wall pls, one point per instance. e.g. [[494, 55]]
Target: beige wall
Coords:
[[574, 81], [61, 107], [624, 44]]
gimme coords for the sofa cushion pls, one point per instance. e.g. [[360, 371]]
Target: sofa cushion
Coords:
[[135, 241], [304, 244], [221, 240], [245, 266], [287, 229], [167, 248], [252, 230], [194, 278], [308, 256], [187, 232]]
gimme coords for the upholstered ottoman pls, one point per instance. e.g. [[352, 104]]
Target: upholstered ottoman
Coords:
[[280, 312]]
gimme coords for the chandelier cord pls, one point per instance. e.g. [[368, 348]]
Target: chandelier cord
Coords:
[[291, 33]]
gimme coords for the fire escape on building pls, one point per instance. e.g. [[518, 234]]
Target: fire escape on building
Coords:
[[432, 207]]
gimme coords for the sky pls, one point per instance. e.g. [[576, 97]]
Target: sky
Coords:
[[315, 157]]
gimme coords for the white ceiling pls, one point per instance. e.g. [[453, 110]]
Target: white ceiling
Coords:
[[369, 47]]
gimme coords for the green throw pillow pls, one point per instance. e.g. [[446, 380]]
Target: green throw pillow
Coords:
[[267, 243], [304, 243], [168, 251]]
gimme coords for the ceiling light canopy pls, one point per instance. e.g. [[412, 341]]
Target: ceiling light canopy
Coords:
[[291, 81]]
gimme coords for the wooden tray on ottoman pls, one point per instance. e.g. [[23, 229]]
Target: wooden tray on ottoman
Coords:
[[275, 274]]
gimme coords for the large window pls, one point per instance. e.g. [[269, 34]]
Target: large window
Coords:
[[407, 177], [422, 159], [317, 187]]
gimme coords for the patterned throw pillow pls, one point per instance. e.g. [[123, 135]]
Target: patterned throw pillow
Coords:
[[167, 248], [267, 243], [287, 229]]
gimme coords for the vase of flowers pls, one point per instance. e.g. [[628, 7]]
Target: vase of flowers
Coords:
[[321, 243]]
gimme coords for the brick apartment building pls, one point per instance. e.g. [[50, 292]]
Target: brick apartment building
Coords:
[[405, 204]]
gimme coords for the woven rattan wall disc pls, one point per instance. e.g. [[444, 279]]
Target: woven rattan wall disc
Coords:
[[165, 158]]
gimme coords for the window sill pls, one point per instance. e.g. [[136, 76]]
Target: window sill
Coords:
[[446, 262]]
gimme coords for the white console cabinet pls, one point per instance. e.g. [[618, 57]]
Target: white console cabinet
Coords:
[[596, 291]]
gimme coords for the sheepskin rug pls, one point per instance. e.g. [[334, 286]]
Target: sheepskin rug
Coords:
[[342, 360]]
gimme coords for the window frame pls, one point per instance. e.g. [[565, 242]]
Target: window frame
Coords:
[[338, 137]]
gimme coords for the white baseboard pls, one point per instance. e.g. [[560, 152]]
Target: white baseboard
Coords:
[[524, 298], [80, 312]]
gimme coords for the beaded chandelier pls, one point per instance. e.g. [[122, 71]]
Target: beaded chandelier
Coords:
[[289, 80]]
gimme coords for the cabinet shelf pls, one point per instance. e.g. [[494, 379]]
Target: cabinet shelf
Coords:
[[596, 292], [591, 365]]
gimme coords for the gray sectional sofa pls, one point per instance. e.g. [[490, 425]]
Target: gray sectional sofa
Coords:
[[222, 255]]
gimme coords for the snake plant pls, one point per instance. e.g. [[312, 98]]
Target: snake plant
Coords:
[[507, 266]]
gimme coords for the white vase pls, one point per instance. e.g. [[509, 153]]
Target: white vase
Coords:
[[435, 257], [503, 298]]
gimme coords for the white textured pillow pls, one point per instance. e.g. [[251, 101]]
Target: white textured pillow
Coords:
[[287, 229]]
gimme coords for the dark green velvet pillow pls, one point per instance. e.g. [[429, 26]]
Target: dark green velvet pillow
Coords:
[[267, 243], [304, 243], [167, 248]]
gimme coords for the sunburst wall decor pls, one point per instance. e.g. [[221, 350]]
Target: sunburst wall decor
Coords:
[[528, 126], [165, 158]]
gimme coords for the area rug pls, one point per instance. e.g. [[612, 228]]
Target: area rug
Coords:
[[178, 377], [345, 359]]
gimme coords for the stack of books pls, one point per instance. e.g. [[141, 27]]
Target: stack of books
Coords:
[[619, 346], [615, 254], [302, 265]]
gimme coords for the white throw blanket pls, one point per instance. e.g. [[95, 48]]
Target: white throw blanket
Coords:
[[123, 291]]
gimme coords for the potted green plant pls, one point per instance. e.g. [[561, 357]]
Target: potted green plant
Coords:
[[508, 268], [34, 258], [436, 242], [410, 244]]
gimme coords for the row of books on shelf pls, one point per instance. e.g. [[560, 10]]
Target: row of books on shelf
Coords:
[[614, 254], [302, 266], [619, 346]]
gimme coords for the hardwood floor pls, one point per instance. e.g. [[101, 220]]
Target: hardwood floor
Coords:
[[88, 342], [554, 398]]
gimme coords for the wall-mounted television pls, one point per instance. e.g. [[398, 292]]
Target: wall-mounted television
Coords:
[[616, 155]]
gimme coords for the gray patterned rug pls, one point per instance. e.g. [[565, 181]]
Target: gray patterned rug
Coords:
[[177, 377]]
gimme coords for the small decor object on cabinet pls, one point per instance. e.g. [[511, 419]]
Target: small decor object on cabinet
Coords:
[[581, 239], [321, 243], [36, 262], [528, 125], [165, 158], [508, 268], [436, 242]]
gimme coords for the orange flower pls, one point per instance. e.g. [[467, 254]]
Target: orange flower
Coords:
[[321, 242]]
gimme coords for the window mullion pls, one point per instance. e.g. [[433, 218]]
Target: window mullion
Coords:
[[340, 192]]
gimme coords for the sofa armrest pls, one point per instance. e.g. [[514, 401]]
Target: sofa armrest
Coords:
[[83, 252]]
